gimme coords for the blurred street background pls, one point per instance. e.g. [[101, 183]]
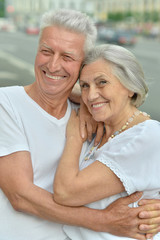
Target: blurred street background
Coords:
[[134, 24]]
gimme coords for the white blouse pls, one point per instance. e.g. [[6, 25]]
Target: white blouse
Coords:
[[134, 156]]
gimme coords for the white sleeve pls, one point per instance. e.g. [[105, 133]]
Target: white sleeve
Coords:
[[12, 137], [134, 156]]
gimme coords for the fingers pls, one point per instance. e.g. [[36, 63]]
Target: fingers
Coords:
[[140, 236], [99, 133], [153, 204], [149, 228], [131, 198], [86, 130], [149, 236], [83, 130], [150, 214], [89, 131], [151, 210]]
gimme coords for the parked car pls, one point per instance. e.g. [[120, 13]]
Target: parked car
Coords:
[[119, 37], [105, 34], [124, 37], [32, 30], [7, 25]]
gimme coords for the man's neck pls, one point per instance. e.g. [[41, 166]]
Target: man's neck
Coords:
[[54, 106]]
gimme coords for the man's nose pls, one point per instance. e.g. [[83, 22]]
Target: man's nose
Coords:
[[54, 63]]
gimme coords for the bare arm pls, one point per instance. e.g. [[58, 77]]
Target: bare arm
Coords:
[[73, 187], [16, 180], [119, 212]]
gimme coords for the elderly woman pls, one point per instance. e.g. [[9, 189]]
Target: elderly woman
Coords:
[[127, 158]]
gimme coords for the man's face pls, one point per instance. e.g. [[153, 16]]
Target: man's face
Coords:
[[59, 57]]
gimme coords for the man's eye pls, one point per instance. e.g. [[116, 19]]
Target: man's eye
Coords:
[[68, 58], [45, 51]]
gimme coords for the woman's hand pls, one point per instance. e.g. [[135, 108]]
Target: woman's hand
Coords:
[[73, 127], [88, 125]]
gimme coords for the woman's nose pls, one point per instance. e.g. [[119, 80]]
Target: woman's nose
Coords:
[[93, 93]]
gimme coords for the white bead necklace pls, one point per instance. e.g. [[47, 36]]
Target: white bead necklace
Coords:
[[137, 113]]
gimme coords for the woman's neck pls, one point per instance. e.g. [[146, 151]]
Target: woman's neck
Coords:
[[115, 128]]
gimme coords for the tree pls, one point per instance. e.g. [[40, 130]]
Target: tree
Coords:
[[2, 8]]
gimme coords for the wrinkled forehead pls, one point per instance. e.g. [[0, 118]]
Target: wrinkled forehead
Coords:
[[96, 68], [64, 39]]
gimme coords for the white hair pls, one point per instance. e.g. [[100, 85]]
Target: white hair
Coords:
[[124, 66], [72, 20]]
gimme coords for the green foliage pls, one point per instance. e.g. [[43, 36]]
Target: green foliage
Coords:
[[2, 8], [155, 16], [145, 17]]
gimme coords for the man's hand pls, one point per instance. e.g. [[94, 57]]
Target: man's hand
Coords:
[[152, 214], [122, 220], [88, 125]]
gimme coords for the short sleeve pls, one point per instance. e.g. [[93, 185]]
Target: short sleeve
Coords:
[[134, 156], [12, 137]]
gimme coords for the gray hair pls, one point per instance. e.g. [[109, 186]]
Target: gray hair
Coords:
[[74, 21], [124, 66]]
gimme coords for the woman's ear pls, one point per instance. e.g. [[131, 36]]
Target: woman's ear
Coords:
[[130, 94]]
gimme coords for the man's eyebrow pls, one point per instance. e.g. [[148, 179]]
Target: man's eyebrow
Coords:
[[66, 52], [45, 45], [70, 53], [74, 55]]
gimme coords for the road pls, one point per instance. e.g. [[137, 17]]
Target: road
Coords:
[[18, 50]]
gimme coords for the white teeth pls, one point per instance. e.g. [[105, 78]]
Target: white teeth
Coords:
[[97, 105], [54, 77]]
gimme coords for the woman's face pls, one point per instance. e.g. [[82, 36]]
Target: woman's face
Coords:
[[106, 98]]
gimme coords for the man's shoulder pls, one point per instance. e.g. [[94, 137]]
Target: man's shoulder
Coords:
[[10, 89], [9, 93]]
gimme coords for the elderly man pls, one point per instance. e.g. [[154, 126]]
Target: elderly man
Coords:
[[33, 120]]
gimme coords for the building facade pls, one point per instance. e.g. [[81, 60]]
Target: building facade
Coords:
[[98, 9]]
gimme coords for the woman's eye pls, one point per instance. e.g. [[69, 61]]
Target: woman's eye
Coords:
[[84, 85], [102, 82]]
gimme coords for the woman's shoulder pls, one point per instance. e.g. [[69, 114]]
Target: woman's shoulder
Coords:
[[148, 128], [142, 130], [146, 133]]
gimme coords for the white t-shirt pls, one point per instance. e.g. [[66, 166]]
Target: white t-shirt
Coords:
[[134, 156], [25, 126]]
